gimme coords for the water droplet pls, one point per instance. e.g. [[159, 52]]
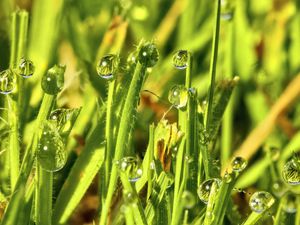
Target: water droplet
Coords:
[[132, 59], [152, 165], [290, 203], [7, 81], [129, 197], [291, 172], [148, 55], [132, 167], [51, 153], [64, 119], [261, 201], [275, 153], [238, 164], [278, 188], [108, 66], [180, 59], [188, 199], [53, 80], [226, 9], [205, 188], [26, 68], [228, 177], [178, 96]]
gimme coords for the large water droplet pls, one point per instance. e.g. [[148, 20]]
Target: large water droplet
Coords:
[[178, 96], [238, 164], [132, 167], [108, 66], [205, 188], [180, 59], [26, 68], [51, 153], [148, 55], [227, 9], [290, 203], [188, 199], [291, 172], [7, 81], [261, 201], [53, 80]]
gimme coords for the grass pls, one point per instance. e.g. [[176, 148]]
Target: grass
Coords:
[[87, 140]]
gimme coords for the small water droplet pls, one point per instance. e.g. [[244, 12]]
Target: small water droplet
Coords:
[[278, 188], [132, 59], [238, 164], [53, 80], [205, 188], [228, 177], [132, 167], [188, 199], [129, 197], [227, 9], [148, 55], [290, 203], [178, 96], [261, 201], [7, 81], [274, 153], [108, 66], [180, 59], [291, 172], [51, 153], [26, 68], [152, 165]]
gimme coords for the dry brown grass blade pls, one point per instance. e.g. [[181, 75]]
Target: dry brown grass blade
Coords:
[[256, 138], [168, 24]]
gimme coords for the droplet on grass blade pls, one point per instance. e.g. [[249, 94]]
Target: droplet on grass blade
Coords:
[[205, 188], [53, 80], [278, 188], [188, 199], [7, 81], [178, 96], [261, 201], [148, 54], [291, 172], [51, 153], [107, 66], [180, 59], [132, 167], [238, 164], [227, 9], [290, 203], [26, 68], [227, 177]]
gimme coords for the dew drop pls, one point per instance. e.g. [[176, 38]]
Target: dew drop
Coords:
[[274, 153], [53, 80], [132, 167], [178, 96], [205, 188], [290, 203], [7, 81], [180, 59], [188, 199], [291, 172], [278, 188], [108, 66], [228, 177], [148, 55], [226, 10], [26, 68], [51, 153], [261, 201], [238, 164], [129, 197]]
